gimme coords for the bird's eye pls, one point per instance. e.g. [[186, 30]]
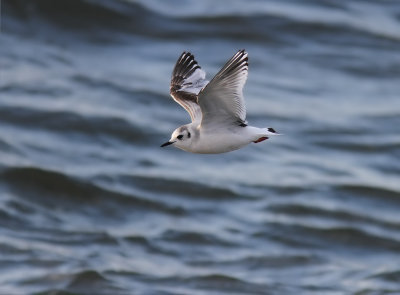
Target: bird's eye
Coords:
[[179, 137], [188, 134]]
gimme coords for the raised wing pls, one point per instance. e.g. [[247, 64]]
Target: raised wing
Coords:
[[186, 82], [222, 99]]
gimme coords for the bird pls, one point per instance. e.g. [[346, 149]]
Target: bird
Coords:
[[216, 108]]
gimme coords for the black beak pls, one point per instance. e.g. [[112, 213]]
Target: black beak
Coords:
[[167, 143]]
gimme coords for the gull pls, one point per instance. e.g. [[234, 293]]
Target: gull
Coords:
[[217, 108]]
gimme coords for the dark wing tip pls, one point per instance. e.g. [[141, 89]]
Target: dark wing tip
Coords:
[[242, 52], [246, 59], [239, 62], [184, 67]]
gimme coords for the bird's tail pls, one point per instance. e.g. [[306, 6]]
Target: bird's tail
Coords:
[[270, 131], [266, 133]]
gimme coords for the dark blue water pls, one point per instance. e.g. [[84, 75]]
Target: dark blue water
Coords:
[[90, 204]]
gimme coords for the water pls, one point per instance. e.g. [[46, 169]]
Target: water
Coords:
[[90, 204]]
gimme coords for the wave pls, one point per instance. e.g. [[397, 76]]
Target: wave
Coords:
[[83, 283], [389, 276], [362, 144], [72, 122], [389, 194], [218, 281], [37, 90], [336, 237], [74, 13], [195, 238], [300, 210], [90, 20], [177, 187], [53, 189], [267, 261], [276, 23], [116, 89]]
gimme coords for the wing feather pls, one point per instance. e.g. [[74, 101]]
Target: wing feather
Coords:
[[222, 99], [187, 80]]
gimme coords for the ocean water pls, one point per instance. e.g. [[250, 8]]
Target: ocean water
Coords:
[[90, 204]]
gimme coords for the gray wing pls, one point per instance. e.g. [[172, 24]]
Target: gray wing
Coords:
[[186, 82], [221, 101]]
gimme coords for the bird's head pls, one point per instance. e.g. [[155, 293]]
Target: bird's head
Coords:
[[181, 138]]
